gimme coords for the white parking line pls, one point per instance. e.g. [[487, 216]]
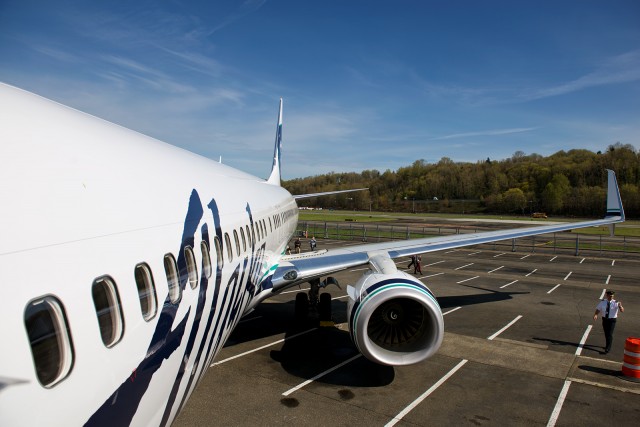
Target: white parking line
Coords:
[[220, 362], [567, 276], [500, 254], [582, 260], [602, 294], [426, 394], [451, 311], [529, 274], [510, 283], [474, 253], [466, 280], [455, 250], [496, 269], [608, 278], [433, 263], [613, 262], [527, 255], [430, 275], [328, 371], [556, 410], [583, 340], [505, 328], [553, 258], [460, 268], [554, 288]]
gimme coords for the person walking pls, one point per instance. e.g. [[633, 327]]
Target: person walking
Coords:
[[413, 261], [297, 244], [313, 243], [416, 268], [609, 308]]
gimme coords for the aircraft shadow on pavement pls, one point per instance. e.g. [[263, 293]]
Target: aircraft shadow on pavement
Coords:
[[274, 318], [315, 351], [312, 353]]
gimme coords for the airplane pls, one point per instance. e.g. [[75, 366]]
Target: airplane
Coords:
[[126, 263]]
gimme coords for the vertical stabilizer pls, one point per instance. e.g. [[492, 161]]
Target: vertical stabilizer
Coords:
[[274, 178]]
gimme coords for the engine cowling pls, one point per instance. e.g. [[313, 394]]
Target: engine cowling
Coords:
[[394, 319]]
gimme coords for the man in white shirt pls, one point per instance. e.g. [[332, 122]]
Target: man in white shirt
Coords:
[[609, 309]]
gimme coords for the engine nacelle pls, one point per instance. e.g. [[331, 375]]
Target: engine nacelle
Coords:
[[394, 319]]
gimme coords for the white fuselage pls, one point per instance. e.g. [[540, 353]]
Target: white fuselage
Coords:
[[82, 199]]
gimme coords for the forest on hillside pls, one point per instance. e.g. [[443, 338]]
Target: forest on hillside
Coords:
[[571, 183]]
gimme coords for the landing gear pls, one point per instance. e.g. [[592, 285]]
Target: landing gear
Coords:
[[310, 307]]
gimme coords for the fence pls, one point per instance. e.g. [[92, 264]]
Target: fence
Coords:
[[556, 243]]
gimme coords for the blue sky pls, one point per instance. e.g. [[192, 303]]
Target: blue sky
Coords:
[[366, 84]]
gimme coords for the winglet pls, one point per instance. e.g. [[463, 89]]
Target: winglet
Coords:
[[614, 201], [274, 178]]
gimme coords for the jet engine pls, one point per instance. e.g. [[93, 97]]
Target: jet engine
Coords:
[[394, 319]]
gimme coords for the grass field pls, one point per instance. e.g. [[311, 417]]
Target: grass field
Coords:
[[628, 228]]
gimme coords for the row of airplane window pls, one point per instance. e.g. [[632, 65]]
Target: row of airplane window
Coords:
[[46, 321]]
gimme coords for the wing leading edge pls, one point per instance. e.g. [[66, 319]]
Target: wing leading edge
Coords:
[[297, 269]]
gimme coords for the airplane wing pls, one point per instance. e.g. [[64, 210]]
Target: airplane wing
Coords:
[[299, 268]]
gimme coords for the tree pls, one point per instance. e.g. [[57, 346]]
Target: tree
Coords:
[[555, 193], [514, 200]]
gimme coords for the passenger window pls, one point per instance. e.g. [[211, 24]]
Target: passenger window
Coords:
[[270, 226], [51, 345], [227, 241], [171, 270], [107, 304], [219, 259], [244, 242], [235, 237], [192, 269], [146, 291], [206, 259]]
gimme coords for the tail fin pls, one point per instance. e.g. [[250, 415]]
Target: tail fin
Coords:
[[274, 178]]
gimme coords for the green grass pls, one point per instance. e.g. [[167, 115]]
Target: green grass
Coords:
[[336, 216], [627, 230]]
